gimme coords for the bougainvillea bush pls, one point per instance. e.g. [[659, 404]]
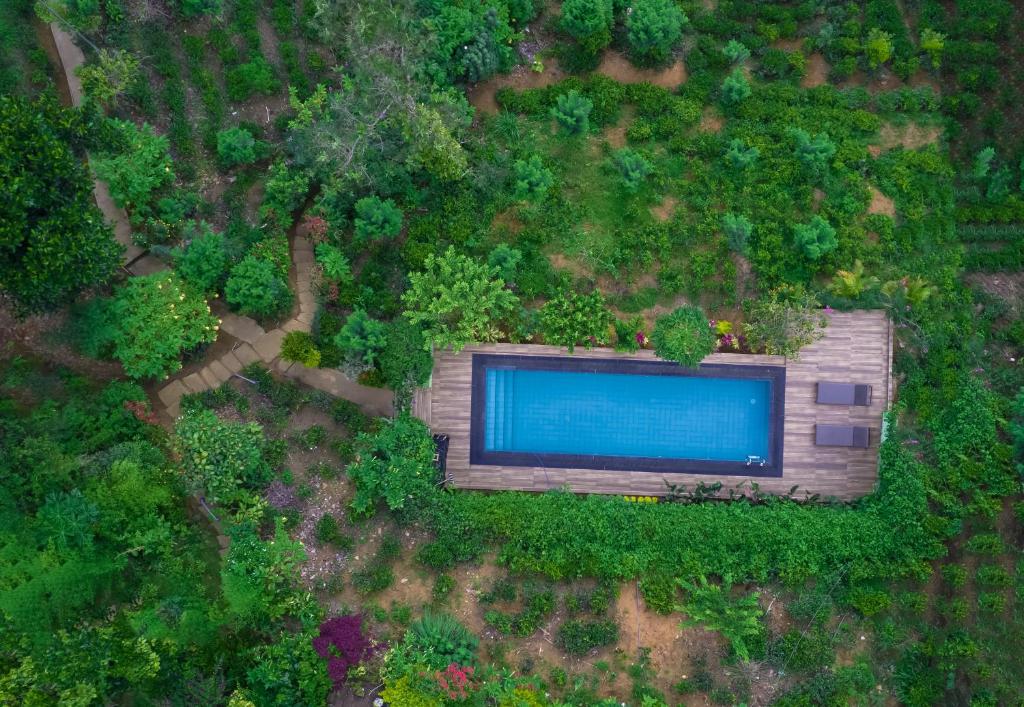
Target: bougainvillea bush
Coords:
[[342, 643]]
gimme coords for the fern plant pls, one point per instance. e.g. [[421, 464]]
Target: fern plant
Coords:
[[712, 607]]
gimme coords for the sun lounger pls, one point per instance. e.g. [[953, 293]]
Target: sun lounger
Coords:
[[841, 436], [844, 394]]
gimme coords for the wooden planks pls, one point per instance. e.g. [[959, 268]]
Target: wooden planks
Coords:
[[857, 348]]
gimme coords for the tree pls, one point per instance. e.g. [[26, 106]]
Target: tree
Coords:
[[434, 147], [362, 339], [377, 219], [633, 167], [877, 47], [219, 458], [106, 80], [653, 28], [235, 146], [255, 288], [684, 336], [136, 173], [739, 155], [457, 300], [735, 88], [816, 238], [506, 259], [736, 52], [785, 321], [155, 318], [572, 111], [712, 607], [813, 152], [571, 318], [53, 241], [532, 179], [394, 464], [933, 43], [738, 230], [589, 22], [204, 261], [404, 363]]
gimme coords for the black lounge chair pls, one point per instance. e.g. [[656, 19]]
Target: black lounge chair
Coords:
[[841, 436], [844, 394]]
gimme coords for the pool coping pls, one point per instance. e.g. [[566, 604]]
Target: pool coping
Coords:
[[478, 455]]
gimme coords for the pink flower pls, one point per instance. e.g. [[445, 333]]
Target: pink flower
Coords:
[[828, 310]]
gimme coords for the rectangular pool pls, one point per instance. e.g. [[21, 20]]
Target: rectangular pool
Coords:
[[624, 414]]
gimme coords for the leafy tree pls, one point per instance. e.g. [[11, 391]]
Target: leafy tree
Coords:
[[506, 259], [633, 167], [219, 458], [933, 43], [377, 219], [813, 152], [53, 242], [816, 238], [736, 52], [434, 147], [878, 47], [653, 28], [136, 173], [362, 338], [684, 336], [589, 22], [334, 263], [156, 318], [572, 111], [457, 300], [204, 261], [235, 146], [712, 607], [738, 230], [571, 318], [739, 155], [785, 321], [255, 288], [404, 363], [532, 179], [395, 465], [109, 77], [735, 88], [983, 162]]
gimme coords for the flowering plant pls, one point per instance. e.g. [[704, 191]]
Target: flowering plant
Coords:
[[456, 681]]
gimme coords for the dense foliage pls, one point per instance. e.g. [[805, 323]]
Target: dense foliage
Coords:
[[684, 336]]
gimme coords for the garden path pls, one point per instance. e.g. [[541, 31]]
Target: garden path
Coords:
[[257, 344]]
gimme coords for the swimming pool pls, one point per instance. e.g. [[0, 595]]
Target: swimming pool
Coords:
[[624, 414]]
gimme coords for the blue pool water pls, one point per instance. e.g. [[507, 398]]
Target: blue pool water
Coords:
[[626, 415]]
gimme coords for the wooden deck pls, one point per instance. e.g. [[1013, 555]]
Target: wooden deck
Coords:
[[857, 348]]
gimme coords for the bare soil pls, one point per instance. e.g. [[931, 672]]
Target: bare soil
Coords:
[[911, 136], [617, 66], [880, 203], [817, 71], [1007, 286], [663, 211], [711, 121]]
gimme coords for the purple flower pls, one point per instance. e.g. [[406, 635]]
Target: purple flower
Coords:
[[828, 310], [640, 338]]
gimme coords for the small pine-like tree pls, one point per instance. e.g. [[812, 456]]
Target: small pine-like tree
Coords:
[[735, 88], [740, 156], [816, 238], [738, 230], [533, 179], [377, 219], [736, 52], [633, 167], [589, 22], [983, 162], [235, 146], [203, 263], [653, 28], [572, 111], [813, 152]]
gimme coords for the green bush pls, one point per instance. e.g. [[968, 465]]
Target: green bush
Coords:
[[653, 29], [361, 340], [816, 238], [712, 607], [738, 230], [335, 265], [236, 146], [404, 362], [443, 586], [577, 637], [254, 288], [506, 260], [589, 22], [784, 321], [572, 111], [633, 167], [438, 640], [203, 263], [532, 179], [220, 458], [299, 346], [377, 219], [735, 88], [955, 576], [684, 336], [571, 318], [195, 8], [328, 532], [395, 465], [137, 172], [256, 76]]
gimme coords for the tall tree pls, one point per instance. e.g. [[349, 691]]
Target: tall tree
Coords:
[[53, 241]]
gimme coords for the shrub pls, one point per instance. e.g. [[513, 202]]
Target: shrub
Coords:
[[256, 76], [784, 322], [327, 531], [532, 179], [991, 602], [955, 576], [735, 88], [457, 300], [342, 643], [633, 168], [395, 465], [404, 362], [112, 74], [284, 192], [299, 346], [438, 640], [219, 458], [684, 336], [254, 288], [506, 260], [571, 318], [135, 173], [236, 146], [156, 318], [204, 261], [986, 544], [374, 577], [738, 230], [653, 28], [577, 637], [816, 238], [739, 156], [877, 47], [712, 607], [362, 339], [993, 576], [589, 22], [334, 264], [377, 219], [194, 8], [443, 586], [736, 52], [572, 112]]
